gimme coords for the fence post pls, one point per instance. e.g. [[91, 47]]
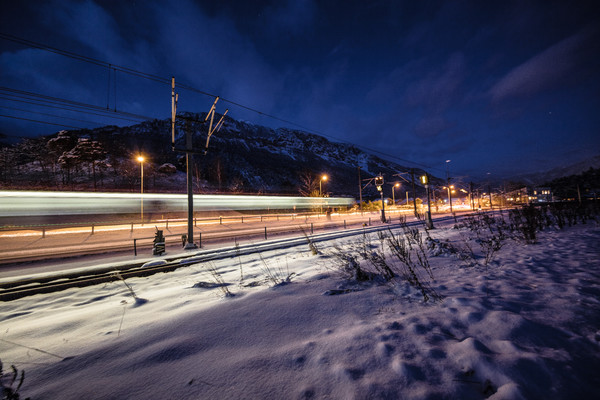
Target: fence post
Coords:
[[242, 219], [200, 239], [132, 227], [167, 224], [195, 221], [135, 247], [311, 228], [265, 233], [344, 224], [369, 221], [43, 232], [220, 220], [92, 229]]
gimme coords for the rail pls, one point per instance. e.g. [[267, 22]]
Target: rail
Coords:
[[15, 289]]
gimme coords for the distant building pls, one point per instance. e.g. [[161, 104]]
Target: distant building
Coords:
[[529, 195], [541, 195]]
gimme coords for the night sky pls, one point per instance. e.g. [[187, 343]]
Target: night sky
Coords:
[[497, 87]]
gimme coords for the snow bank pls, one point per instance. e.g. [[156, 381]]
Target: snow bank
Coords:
[[525, 326]]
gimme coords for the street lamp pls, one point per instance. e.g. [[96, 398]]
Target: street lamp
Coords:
[[425, 182], [379, 184], [323, 178], [450, 191], [140, 158], [394, 193]]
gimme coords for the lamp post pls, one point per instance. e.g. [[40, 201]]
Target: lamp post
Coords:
[[425, 182], [323, 178], [394, 193], [141, 160], [379, 184], [449, 187]]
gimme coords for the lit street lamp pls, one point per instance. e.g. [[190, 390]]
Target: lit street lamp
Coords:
[[425, 182], [394, 193], [379, 184], [323, 178], [141, 160]]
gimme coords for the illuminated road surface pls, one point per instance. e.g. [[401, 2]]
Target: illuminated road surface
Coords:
[[39, 244]]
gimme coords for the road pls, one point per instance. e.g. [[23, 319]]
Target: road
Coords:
[[41, 244]]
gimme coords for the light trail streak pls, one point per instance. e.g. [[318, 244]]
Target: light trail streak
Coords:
[[32, 203]]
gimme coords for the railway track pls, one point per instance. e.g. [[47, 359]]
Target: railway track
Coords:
[[48, 283]]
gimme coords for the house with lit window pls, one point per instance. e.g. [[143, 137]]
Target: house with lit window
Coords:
[[527, 195], [540, 195]]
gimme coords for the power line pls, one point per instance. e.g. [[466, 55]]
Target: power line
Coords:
[[52, 105], [159, 79], [42, 122], [48, 115], [83, 58], [57, 100]]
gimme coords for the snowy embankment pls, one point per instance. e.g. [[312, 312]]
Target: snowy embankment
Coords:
[[522, 323]]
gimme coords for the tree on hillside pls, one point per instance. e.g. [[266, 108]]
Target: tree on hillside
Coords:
[[8, 162], [58, 147], [309, 184], [35, 150], [90, 152]]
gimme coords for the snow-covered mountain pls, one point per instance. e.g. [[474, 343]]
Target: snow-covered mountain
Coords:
[[540, 178], [250, 158]]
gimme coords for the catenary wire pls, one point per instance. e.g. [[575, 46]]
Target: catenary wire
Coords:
[[159, 79]]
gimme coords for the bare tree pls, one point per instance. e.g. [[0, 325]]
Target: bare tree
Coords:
[[309, 184]]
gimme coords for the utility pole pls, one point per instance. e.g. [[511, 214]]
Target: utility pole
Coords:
[[428, 220], [412, 174], [189, 160], [359, 191], [471, 195], [448, 183], [379, 184], [490, 191]]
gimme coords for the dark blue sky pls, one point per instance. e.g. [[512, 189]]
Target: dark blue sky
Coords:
[[499, 87]]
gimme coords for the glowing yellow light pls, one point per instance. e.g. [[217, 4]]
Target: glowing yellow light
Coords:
[[324, 178], [140, 158], [397, 185]]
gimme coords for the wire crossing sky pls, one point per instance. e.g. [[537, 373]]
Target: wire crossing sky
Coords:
[[497, 87]]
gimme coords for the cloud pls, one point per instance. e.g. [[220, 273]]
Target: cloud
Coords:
[[291, 16], [209, 52], [431, 126], [88, 23], [438, 89], [543, 71]]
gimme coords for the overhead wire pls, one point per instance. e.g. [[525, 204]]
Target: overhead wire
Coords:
[[65, 108], [42, 122], [159, 79], [58, 100], [48, 115]]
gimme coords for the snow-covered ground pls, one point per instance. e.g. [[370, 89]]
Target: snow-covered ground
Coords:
[[526, 325]]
